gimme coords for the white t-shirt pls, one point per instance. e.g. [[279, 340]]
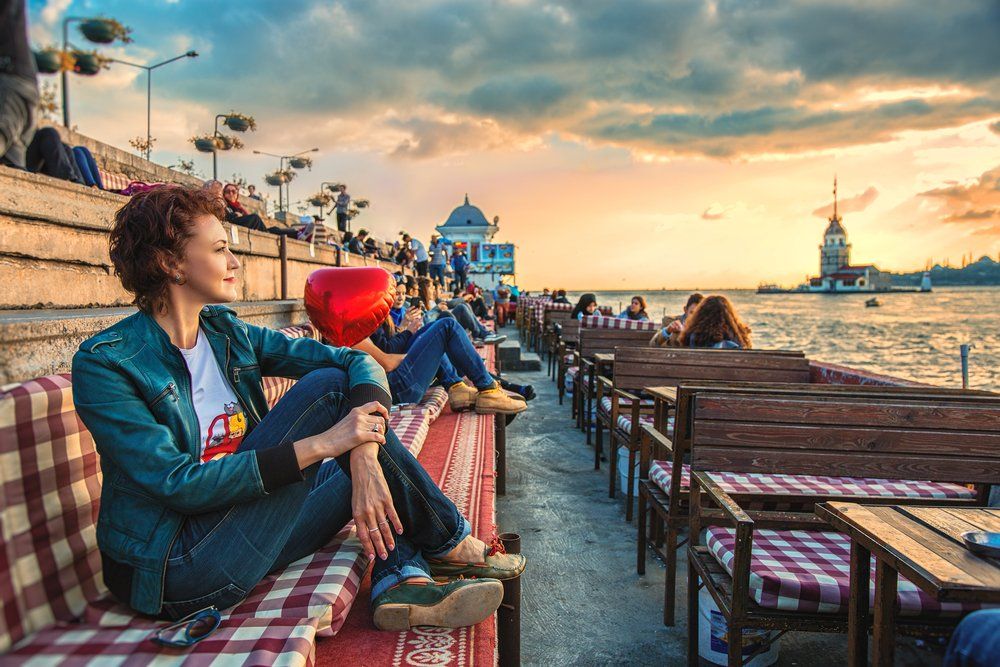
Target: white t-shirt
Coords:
[[419, 252], [220, 415]]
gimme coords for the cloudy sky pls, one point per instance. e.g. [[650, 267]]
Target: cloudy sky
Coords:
[[622, 143]]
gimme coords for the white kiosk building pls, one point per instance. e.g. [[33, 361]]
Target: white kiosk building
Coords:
[[467, 229]]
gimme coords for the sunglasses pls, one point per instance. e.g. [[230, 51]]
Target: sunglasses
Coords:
[[189, 630]]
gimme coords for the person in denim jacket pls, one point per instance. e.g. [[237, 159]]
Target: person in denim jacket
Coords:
[[205, 490]]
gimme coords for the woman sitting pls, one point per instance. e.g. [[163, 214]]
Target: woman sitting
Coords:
[[670, 334], [635, 311], [420, 354], [237, 215], [715, 324], [205, 490], [587, 305]]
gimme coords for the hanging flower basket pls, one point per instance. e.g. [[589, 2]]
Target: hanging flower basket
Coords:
[[320, 199], [334, 187], [279, 177], [49, 61], [205, 144], [88, 63], [362, 203], [105, 31], [227, 142], [301, 162], [237, 122]]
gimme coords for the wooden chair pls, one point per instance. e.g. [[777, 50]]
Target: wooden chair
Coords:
[[554, 313], [620, 400], [566, 343], [931, 444], [598, 341]]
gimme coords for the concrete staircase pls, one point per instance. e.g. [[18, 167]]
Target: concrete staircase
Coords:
[[57, 285]]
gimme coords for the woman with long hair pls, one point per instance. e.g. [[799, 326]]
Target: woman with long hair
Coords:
[[714, 324], [636, 310], [587, 305], [205, 490]]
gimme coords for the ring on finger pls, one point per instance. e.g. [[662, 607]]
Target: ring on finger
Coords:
[[376, 428], [383, 522], [373, 530]]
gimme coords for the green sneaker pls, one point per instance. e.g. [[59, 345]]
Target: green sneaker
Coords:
[[496, 564], [454, 604]]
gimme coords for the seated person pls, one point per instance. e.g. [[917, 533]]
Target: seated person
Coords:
[[420, 354], [198, 467], [587, 305], [371, 248], [237, 215], [357, 243], [635, 311], [670, 334], [976, 641], [715, 324], [459, 309], [561, 297], [398, 310]]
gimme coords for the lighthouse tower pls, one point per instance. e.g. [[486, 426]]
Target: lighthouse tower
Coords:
[[835, 251]]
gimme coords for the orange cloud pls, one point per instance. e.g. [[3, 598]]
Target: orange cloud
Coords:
[[976, 204]]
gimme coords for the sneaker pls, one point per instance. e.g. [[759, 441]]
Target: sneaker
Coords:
[[455, 604], [496, 564], [461, 396], [496, 401], [490, 339]]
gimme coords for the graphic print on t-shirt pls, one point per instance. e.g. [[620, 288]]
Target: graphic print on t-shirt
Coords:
[[225, 433]]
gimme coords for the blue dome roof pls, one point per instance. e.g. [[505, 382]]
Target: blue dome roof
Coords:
[[466, 215]]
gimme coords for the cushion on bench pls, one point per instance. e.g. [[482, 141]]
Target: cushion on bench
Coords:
[[113, 181], [246, 641], [760, 483], [809, 571], [606, 322], [432, 403], [624, 412]]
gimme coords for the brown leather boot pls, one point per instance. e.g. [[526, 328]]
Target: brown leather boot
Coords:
[[461, 396], [495, 401]]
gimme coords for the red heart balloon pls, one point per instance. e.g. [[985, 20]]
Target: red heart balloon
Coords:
[[348, 304]]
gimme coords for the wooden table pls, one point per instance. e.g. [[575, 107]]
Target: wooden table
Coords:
[[924, 544], [664, 400]]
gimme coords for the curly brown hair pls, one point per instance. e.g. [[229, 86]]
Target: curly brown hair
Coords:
[[150, 232], [714, 321]]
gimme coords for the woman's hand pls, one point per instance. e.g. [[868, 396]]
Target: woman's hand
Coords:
[[675, 327], [374, 514], [363, 424], [413, 320]]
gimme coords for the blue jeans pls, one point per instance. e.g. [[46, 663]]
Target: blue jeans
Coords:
[[462, 312], [439, 350], [88, 167], [976, 641], [218, 557], [437, 272]]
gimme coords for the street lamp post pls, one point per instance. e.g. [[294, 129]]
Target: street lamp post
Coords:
[[149, 88], [281, 167]]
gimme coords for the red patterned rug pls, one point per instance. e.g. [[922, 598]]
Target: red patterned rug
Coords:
[[458, 454]]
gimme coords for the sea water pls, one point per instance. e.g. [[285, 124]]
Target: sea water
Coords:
[[912, 335]]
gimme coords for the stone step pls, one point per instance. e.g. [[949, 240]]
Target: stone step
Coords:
[[54, 249], [512, 358], [40, 342]]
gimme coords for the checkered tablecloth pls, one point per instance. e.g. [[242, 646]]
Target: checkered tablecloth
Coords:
[[760, 483], [605, 322], [624, 412], [810, 571]]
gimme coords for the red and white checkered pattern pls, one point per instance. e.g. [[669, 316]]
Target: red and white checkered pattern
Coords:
[[625, 413], [810, 571], [411, 428], [276, 387], [245, 641], [113, 181], [815, 485], [50, 489], [431, 404], [605, 322]]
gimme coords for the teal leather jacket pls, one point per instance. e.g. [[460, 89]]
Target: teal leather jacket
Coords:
[[132, 390]]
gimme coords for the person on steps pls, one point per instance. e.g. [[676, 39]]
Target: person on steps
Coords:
[[715, 324], [237, 215], [420, 354], [206, 490]]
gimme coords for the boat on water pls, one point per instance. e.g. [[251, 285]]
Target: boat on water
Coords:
[[873, 302]]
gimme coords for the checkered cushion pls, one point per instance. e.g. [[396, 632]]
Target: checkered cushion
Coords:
[[605, 322], [759, 483], [276, 387], [432, 404], [568, 359], [797, 570], [246, 641], [411, 428], [624, 414], [113, 181], [50, 489]]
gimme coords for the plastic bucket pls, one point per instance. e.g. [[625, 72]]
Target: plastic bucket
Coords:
[[713, 645], [623, 472]]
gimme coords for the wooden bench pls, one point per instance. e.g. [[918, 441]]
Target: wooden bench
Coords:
[[565, 343], [782, 569], [664, 479], [554, 313], [622, 405], [600, 335]]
